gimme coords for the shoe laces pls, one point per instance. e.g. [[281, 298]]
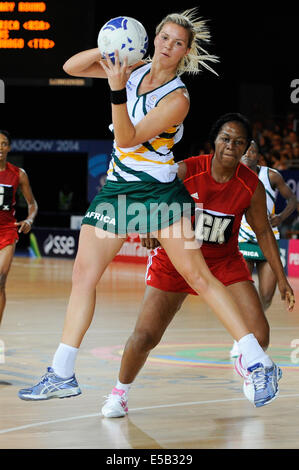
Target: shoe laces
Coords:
[[260, 379], [45, 378], [116, 397]]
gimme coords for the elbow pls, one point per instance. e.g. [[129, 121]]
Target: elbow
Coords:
[[126, 139], [123, 143], [67, 68]]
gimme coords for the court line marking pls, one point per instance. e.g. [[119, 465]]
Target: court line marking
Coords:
[[93, 415]]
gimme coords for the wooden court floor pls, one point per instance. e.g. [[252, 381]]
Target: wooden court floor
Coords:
[[187, 396]]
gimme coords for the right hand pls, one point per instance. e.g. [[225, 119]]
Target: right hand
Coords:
[[117, 73], [287, 294]]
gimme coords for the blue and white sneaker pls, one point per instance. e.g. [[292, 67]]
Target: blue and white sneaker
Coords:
[[51, 386], [263, 386]]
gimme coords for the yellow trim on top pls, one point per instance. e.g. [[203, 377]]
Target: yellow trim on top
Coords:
[[139, 158]]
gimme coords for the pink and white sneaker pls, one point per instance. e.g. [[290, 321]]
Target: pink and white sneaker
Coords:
[[244, 373], [116, 404], [248, 386]]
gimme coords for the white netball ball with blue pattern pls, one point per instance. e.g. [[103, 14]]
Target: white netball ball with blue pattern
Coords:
[[126, 35]]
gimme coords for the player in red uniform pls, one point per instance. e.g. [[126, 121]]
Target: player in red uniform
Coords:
[[11, 177], [227, 189]]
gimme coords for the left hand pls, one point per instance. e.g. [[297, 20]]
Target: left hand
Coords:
[[24, 226], [148, 242], [117, 73], [287, 294], [275, 220]]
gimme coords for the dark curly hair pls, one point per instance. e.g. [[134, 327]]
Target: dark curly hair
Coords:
[[230, 117], [7, 135]]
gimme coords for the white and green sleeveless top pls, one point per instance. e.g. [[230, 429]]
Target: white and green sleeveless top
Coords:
[[150, 161], [246, 233]]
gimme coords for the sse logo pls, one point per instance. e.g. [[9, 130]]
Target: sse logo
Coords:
[[59, 245]]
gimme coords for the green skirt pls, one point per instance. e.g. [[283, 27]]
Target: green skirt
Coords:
[[251, 251], [140, 207]]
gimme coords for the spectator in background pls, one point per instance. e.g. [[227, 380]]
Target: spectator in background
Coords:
[[262, 161], [296, 152], [278, 142], [274, 159], [264, 144], [290, 122], [288, 150], [292, 138]]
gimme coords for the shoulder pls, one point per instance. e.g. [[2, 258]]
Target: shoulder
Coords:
[[175, 105], [197, 165], [23, 175], [174, 90], [175, 100], [274, 175], [13, 168], [248, 177], [200, 160], [243, 171]]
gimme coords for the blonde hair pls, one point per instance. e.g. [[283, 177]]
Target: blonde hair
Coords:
[[198, 33]]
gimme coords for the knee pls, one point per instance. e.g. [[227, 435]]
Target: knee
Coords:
[[78, 273], [83, 275], [266, 300], [196, 280], [266, 296], [144, 340]]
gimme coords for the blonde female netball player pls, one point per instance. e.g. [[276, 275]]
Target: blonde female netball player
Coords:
[[149, 105]]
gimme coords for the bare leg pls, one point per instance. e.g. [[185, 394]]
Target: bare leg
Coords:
[[250, 265], [267, 283], [95, 252], [191, 264], [6, 257], [157, 311], [247, 298], [159, 308]]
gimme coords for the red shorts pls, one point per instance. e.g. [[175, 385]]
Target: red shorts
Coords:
[[8, 237], [161, 273]]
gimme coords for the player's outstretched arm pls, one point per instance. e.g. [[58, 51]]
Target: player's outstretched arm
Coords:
[[25, 225], [85, 64], [257, 218]]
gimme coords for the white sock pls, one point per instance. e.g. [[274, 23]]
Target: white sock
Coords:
[[252, 352], [64, 360], [125, 387]]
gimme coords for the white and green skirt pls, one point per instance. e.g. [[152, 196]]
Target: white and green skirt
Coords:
[[140, 207]]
